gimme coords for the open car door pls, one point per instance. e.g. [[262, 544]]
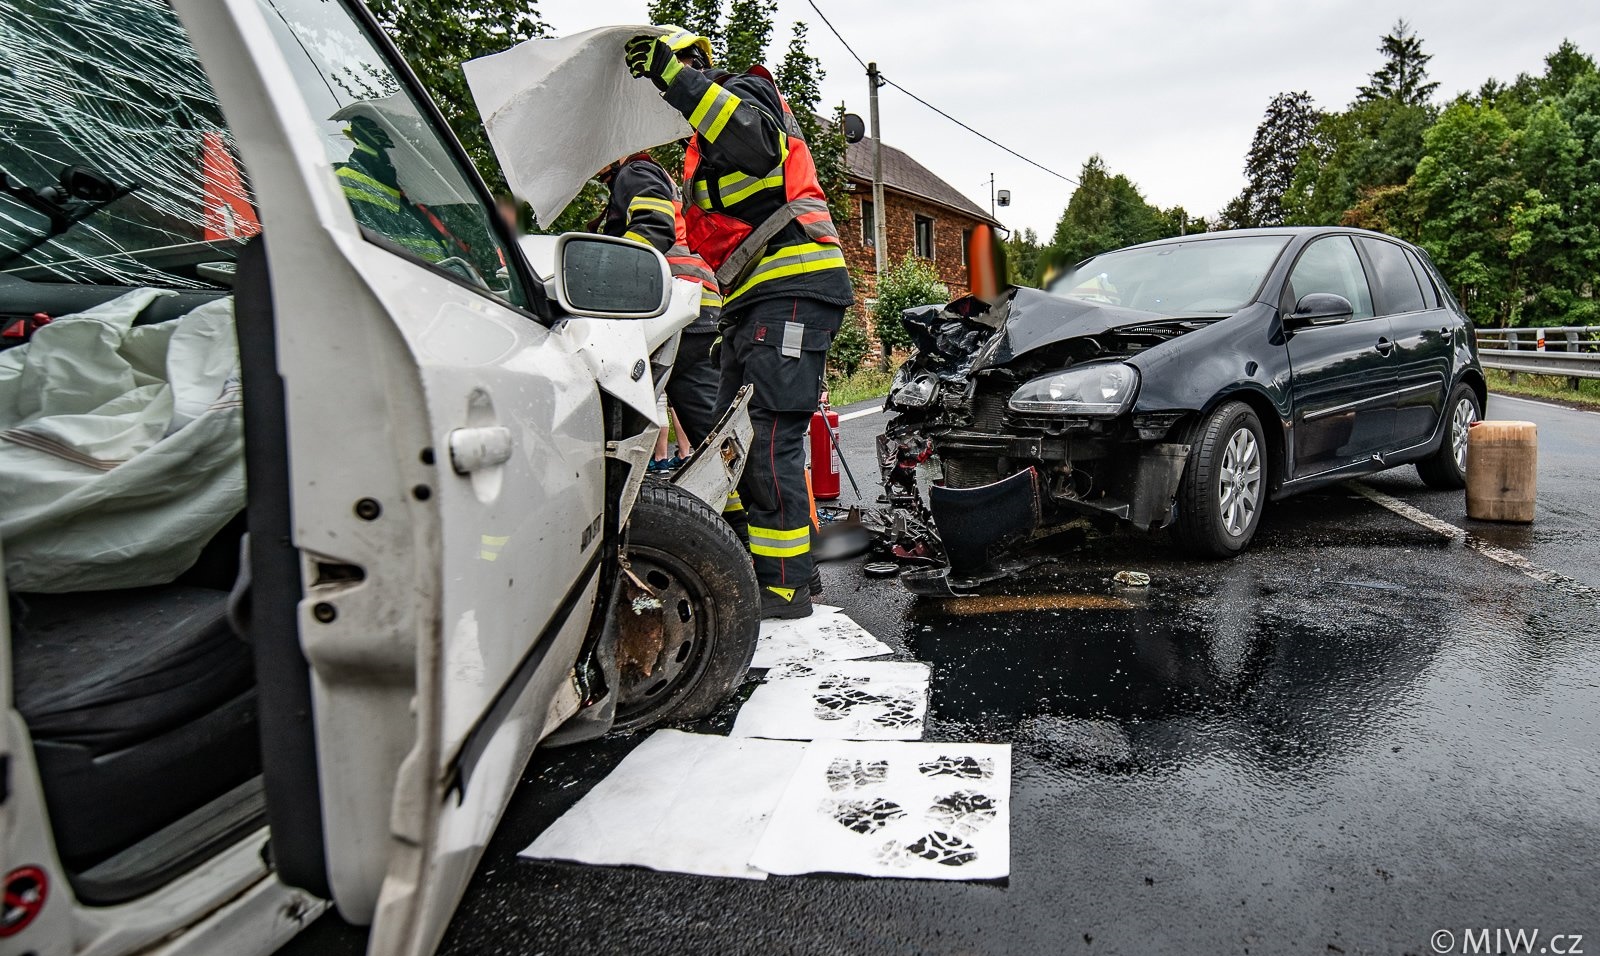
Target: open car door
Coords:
[[437, 474]]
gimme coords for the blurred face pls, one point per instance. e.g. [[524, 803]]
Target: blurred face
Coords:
[[508, 211]]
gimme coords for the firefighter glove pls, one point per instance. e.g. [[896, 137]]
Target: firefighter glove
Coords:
[[651, 56]]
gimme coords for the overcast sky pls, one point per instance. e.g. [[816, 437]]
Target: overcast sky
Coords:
[[1169, 93]]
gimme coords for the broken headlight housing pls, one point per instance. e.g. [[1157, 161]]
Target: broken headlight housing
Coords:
[[912, 391], [1104, 390]]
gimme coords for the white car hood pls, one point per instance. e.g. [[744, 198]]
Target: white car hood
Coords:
[[558, 110]]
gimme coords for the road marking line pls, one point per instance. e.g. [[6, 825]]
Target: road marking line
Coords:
[[1497, 396], [862, 413], [1445, 529]]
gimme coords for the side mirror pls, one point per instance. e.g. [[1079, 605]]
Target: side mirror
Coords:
[[607, 277], [1320, 308]]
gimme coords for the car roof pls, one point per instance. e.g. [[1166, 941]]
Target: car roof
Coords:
[[1286, 231]]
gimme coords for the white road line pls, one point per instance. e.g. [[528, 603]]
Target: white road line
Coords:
[[1445, 529], [860, 413], [1498, 396]]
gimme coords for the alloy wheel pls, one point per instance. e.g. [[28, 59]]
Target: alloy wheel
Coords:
[[1239, 482], [1466, 412]]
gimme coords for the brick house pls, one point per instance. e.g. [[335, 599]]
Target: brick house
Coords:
[[925, 215]]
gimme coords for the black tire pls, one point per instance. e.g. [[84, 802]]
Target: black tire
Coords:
[[709, 618], [1205, 527], [1446, 468]]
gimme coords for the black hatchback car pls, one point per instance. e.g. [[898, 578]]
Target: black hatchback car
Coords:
[[1183, 383]]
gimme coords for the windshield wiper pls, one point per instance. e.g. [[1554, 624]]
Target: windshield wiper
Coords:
[[79, 193]]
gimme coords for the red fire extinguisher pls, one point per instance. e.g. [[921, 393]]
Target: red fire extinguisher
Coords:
[[824, 465]]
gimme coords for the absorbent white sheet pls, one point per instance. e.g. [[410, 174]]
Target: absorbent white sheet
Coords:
[[842, 700], [680, 802], [895, 808], [559, 109], [827, 635]]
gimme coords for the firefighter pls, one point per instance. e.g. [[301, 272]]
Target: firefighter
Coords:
[[758, 216], [372, 185], [645, 206]]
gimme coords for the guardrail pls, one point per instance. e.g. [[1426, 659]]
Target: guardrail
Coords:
[[1572, 352]]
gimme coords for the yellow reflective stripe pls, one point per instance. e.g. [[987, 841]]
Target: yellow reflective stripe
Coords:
[[795, 534], [713, 94], [360, 186], [793, 260], [722, 119], [702, 194], [710, 299], [630, 234], [650, 203], [786, 593], [756, 185], [767, 551], [734, 503]]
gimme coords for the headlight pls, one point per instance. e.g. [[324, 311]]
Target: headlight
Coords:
[[913, 391], [1092, 390]]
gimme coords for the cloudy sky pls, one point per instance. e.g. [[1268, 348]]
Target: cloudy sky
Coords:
[[1168, 92]]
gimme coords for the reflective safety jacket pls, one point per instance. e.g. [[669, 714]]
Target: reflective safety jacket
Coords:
[[370, 184], [756, 214], [645, 206]]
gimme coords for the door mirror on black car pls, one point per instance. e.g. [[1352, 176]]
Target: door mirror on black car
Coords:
[[1319, 308]]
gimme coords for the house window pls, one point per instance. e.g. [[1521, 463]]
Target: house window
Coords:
[[869, 224], [966, 246], [925, 237]]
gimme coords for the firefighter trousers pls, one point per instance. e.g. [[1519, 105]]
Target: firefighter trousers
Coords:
[[693, 387], [780, 346]]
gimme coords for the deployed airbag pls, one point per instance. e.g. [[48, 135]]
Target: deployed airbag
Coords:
[[121, 446]]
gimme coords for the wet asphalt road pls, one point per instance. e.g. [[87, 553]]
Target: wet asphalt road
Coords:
[[1354, 735]]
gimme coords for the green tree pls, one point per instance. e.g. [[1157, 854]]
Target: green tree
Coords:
[[849, 347], [1285, 131], [904, 285], [1372, 145], [437, 36], [800, 77], [749, 31], [1403, 78], [1105, 212], [1022, 257]]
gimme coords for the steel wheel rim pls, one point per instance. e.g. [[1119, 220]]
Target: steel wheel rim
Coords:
[[689, 621], [1460, 424], [1239, 482]]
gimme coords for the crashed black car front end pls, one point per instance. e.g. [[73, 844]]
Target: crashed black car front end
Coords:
[[1028, 406]]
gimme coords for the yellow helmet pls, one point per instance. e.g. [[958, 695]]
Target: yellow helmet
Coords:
[[681, 41]]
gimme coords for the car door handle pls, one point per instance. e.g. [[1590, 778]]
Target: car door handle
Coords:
[[1384, 346], [472, 449]]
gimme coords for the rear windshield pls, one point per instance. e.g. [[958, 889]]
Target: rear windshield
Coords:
[[118, 168], [1212, 276]]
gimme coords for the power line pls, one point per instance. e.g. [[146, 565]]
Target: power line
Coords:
[[983, 136]]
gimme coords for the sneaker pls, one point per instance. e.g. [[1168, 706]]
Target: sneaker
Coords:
[[776, 607], [816, 583], [658, 465]]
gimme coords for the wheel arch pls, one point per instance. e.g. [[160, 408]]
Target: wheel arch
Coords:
[[1272, 428]]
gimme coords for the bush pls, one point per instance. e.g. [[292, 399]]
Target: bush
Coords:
[[849, 346], [907, 284]]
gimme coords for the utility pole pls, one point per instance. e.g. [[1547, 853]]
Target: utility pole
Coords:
[[991, 195], [878, 239]]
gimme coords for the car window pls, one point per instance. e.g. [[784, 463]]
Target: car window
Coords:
[[396, 168], [1206, 276], [1430, 295], [1397, 284], [1330, 264], [109, 100]]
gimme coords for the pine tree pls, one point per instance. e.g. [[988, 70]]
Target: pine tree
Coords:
[[1404, 74], [1285, 132], [749, 31], [800, 78]]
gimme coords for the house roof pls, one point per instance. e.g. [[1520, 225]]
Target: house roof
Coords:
[[902, 173]]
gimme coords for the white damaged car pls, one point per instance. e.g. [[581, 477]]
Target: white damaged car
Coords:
[[324, 495]]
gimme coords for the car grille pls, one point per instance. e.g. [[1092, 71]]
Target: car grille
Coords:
[[989, 409]]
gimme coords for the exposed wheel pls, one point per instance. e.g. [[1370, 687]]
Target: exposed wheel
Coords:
[[685, 643], [1447, 467], [1224, 484]]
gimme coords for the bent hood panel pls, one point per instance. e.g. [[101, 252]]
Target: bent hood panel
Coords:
[[1030, 319]]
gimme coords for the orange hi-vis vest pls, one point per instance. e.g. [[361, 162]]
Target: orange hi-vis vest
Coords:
[[735, 247]]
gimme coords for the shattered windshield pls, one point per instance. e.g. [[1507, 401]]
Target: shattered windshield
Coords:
[[106, 97], [1208, 276]]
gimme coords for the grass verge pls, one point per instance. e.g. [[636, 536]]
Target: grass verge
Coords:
[[867, 382], [1550, 388]]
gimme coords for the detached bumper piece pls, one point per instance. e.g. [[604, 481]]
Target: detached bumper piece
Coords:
[[978, 525]]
